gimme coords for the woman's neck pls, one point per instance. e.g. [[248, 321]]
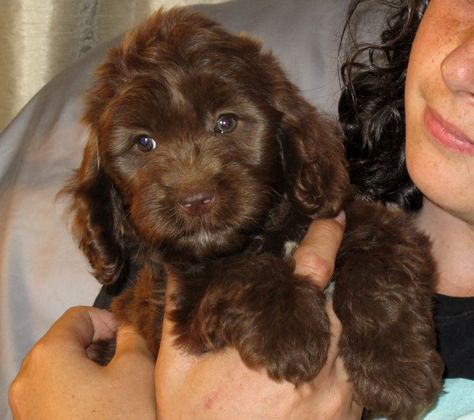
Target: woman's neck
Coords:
[[453, 249]]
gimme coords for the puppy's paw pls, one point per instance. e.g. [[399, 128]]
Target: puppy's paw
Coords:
[[275, 319], [405, 394], [290, 336], [395, 375]]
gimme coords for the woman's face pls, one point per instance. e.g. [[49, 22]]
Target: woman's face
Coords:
[[439, 104]]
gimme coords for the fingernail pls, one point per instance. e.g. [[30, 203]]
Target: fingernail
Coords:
[[341, 218]]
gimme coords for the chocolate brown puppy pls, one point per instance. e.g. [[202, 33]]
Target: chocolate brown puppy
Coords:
[[206, 162]]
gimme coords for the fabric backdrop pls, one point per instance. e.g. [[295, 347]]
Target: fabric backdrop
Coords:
[[40, 38]]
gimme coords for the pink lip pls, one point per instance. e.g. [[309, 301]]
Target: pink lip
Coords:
[[446, 134]]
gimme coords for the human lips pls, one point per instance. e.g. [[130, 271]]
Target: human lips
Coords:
[[447, 134]]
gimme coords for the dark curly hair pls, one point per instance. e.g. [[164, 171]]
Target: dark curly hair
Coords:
[[371, 108]]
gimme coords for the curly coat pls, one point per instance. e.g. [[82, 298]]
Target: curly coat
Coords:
[[205, 161]]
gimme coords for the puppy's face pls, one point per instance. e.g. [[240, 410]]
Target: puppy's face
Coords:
[[187, 133], [195, 133], [196, 164]]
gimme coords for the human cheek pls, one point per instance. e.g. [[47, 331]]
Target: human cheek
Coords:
[[444, 176]]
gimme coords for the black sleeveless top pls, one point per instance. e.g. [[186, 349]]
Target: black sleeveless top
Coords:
[[454, 318]]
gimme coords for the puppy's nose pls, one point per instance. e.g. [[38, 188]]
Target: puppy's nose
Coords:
[[197, 203]]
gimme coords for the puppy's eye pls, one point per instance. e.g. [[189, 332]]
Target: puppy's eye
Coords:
[[226, 123], [145, 143]]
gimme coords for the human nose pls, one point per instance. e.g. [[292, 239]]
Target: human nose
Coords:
[[458, 67]]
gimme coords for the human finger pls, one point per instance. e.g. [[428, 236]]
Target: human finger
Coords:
[[316, 254], [131, 348]]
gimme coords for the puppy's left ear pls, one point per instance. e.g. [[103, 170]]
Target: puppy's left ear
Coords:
[[97, 216], [315, 163]]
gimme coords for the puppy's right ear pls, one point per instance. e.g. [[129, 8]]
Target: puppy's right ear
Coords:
[[97, 216]]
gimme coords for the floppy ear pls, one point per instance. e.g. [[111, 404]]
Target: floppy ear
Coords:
[[315, 164], [98, 217]]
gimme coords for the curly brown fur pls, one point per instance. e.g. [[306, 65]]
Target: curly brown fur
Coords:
[[205, 161]]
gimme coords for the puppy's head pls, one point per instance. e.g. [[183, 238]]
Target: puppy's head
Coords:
[[194, 135]]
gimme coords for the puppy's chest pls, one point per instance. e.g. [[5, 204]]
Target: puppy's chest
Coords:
[[280, 237]]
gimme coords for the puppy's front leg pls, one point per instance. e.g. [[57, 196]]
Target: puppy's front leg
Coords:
[[256, 304], [384, 284]]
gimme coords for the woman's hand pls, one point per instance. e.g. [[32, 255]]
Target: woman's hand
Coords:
[[58, 381], [220, 386]]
